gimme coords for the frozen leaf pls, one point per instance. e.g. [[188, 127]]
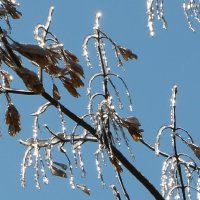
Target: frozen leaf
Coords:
[[30, 79], [70, 56], [41, 109], [133, 126], [12, 119], [69, 86], [76, 81], [131, 121], [38, 55], [127, 53], [54, 70], [6, 58], [84, 188], [58, 172], [137, 136], [61, 165], [195, 149], [56, 94], [75, 68]]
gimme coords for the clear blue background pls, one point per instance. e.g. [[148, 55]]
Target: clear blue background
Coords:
[[171, 57]]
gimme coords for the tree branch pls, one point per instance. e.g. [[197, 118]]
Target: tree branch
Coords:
[[142, 179], [90, 129]]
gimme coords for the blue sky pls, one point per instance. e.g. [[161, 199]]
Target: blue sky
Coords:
[[171, 57]]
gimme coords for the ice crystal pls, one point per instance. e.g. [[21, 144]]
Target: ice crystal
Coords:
[[150, 13], [98, 167], [71, 178], [75, 157]]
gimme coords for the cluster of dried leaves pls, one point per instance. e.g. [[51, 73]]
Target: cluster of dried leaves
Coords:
[[48, 59], [51, 58]]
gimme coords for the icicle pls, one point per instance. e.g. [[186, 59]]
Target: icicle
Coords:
[[160, 12], [75, 157], [36, 175], [97, 20], [98, 167], [24, 166], [81, 161], [86, 55], [163, 184], [150, 13], [127, 90], [29, 159], [63, 122], [177, 196], [44, 176], [103, 157], [85, 50], [104, 56], [71, 178], [35, 128]]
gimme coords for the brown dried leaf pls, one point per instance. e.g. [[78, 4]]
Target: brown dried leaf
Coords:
[[136, 135], [76, 81], [84, 188], [75, 68], [12, 119], [127, 53], [133, 126], [30, 79], [56, 94], [195, 149], [61, 165], [54, 70], [130, 122], [69, 56], [58, 172], [6, 58], [37, 55], [69, 86]]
